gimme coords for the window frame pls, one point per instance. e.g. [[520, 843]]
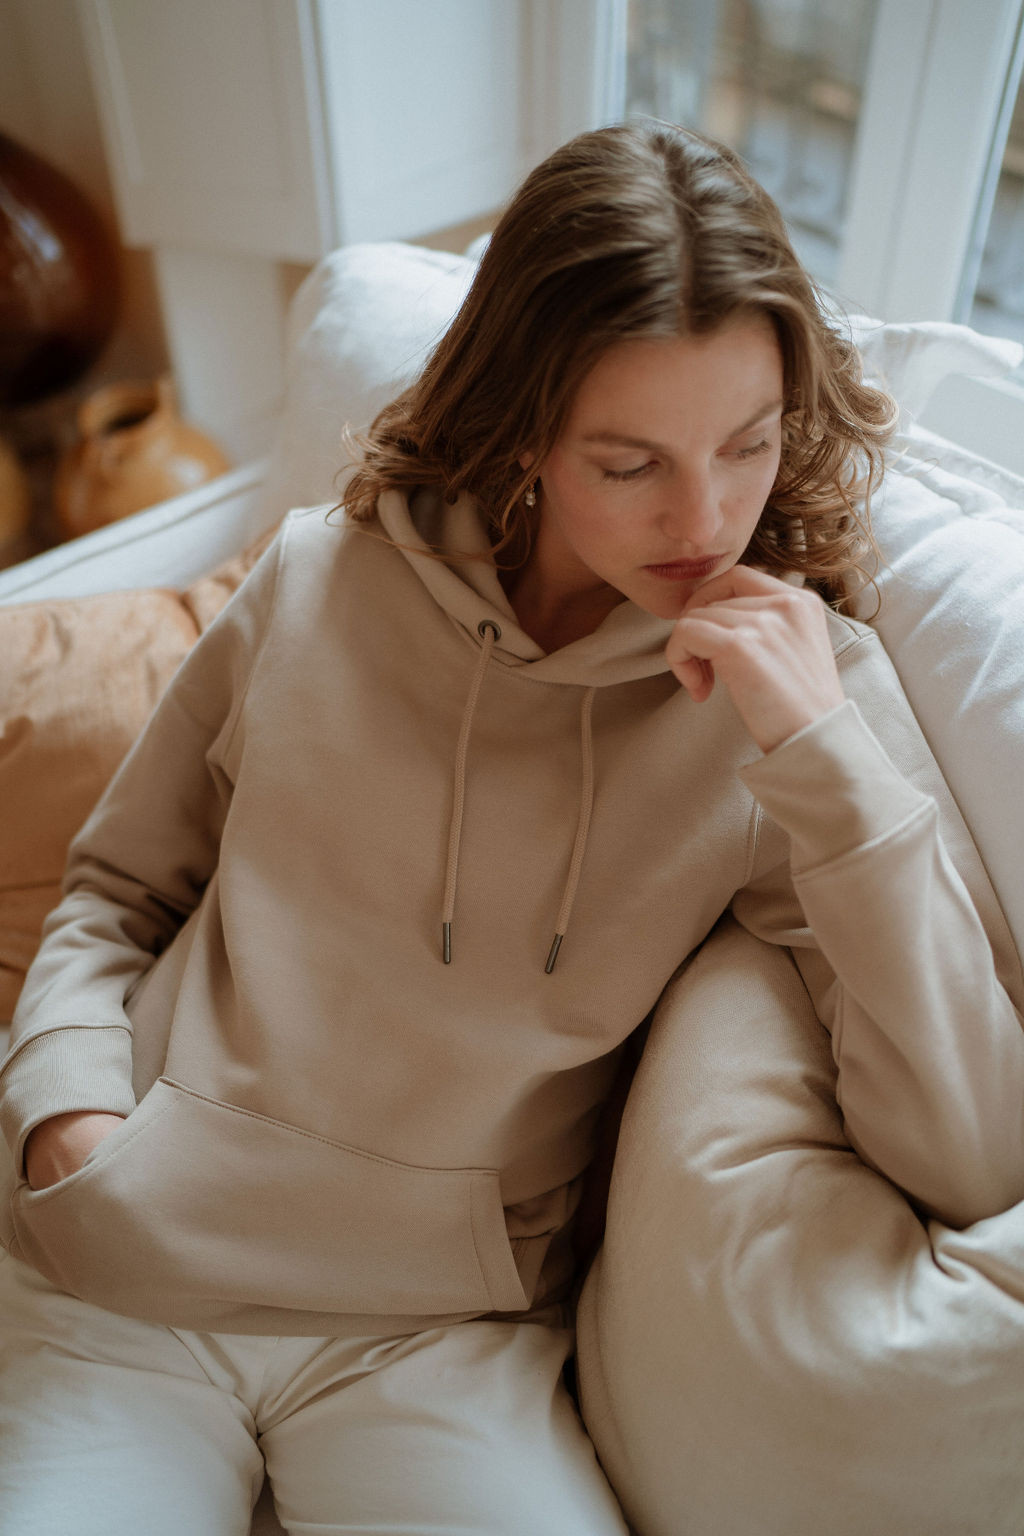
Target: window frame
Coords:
[[923, 179]]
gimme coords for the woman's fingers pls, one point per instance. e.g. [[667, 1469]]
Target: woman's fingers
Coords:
[[696, 675], [768, 642], [738, 581]]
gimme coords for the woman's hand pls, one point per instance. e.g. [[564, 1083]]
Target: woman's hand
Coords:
[[59, 1146], [768, 642]]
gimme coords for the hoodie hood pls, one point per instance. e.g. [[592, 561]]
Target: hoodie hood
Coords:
[[628, 645]]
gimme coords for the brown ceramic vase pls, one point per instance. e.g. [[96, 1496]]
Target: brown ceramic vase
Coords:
[[59, 278], [133, 450], [15, 506]]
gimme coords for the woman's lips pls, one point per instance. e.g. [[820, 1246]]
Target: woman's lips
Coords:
[[684, 570]]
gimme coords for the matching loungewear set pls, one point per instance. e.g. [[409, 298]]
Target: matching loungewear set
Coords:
[[354, 941]]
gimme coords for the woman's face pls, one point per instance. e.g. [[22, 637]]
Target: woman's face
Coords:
[[661, 473]]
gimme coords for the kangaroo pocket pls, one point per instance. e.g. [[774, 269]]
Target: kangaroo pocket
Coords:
[[193, 1202]]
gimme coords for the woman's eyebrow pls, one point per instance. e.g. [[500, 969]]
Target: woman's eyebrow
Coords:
[[758, 416], [621, 439], [627, 440]]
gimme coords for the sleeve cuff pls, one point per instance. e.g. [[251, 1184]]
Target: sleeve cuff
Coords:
[[74, 1068], [832, 787]]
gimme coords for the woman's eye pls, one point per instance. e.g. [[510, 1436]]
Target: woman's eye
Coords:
[[754, 448], [628, 474]]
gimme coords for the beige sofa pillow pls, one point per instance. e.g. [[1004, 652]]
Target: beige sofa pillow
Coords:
[[771, 1343], [78, 680]]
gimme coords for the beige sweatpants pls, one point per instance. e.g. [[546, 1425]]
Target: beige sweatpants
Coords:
[[114, 1427]]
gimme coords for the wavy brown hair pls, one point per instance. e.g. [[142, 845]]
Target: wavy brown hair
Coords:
[[630, 232]]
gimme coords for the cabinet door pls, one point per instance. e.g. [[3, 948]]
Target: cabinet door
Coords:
[[280, 128], [424, 111], [212, 124]]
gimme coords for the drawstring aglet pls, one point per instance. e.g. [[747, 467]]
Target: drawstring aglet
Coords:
[[446, 931], [556, 945]]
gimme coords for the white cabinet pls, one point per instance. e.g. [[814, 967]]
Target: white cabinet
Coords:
[[244, 133], [422, 105], [211, 123]]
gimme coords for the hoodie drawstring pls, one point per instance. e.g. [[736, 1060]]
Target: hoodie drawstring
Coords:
[[490, 633], [579, 846]]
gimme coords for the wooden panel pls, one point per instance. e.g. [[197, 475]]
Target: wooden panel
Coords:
[[422, 103], [224, 314], [212, 123]]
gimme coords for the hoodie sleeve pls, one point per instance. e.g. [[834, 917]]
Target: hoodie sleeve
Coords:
[[868, 873], [135, 871]]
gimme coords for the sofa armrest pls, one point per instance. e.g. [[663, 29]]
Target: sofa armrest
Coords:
[[168, 545]]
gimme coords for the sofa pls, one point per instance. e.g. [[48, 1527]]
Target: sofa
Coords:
[[882, 1391]]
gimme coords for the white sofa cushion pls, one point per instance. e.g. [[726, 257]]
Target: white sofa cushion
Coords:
[[912, 359], [952, 619], [770, 1342], [359, 330]]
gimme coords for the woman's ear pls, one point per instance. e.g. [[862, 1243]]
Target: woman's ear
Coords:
[[526, 459]]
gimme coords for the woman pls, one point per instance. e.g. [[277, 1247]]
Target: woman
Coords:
[[306, 1076]]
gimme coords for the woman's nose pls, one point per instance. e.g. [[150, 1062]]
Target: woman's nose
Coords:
[[691, 516]]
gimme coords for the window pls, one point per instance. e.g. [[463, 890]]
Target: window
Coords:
[[890, 132], [780, 81], [996, 304]]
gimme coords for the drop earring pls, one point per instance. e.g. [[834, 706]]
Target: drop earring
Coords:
[[530, 494]]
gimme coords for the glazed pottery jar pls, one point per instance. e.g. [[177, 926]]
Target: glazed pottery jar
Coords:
[[133, 450]]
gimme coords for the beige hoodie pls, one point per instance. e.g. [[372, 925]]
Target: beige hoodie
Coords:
[[325, 1117]]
